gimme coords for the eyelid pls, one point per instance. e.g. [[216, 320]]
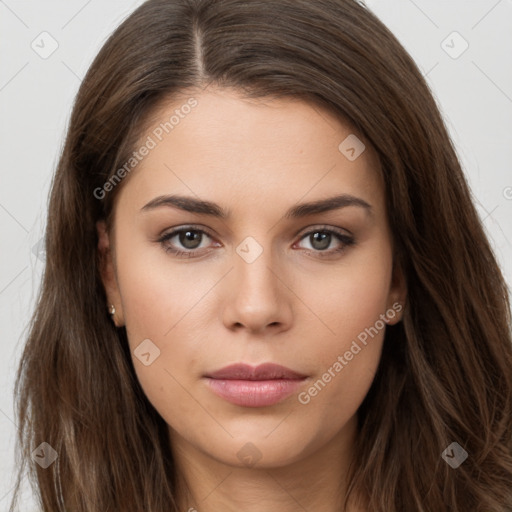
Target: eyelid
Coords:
[[323, 227], [345, 237], [302, 232], [172, 232], [184, 227]]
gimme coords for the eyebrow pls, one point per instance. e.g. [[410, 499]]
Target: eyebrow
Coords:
[[193, 205]]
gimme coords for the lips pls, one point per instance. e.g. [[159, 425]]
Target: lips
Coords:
[[246, 386], [267, 371]]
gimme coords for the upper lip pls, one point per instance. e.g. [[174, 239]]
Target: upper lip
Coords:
[[266, 371]]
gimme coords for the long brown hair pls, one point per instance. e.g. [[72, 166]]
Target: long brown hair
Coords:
[[446, 370]]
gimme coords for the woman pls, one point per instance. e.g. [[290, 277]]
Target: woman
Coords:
[[190, 352]]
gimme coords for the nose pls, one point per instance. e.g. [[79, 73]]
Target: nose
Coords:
[[258, 298]]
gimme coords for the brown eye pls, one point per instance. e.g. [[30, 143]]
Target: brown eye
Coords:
[[321, 239], [189, 238], [187, 241]]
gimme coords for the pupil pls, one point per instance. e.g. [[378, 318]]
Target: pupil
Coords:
[[188, 237], [324, 239]]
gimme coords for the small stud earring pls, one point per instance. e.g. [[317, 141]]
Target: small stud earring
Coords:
[[112, 309]]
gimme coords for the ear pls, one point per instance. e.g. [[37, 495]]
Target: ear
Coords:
[[107, 272], [397, 295]]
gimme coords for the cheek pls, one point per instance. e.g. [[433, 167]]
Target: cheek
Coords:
[[351, 303], [346, 366], [351, 297], [161, 303], [155, 293], [333, 398]]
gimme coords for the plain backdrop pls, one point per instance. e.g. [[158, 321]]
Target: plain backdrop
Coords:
[[463, 47]]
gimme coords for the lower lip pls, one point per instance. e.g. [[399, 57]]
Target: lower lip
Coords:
[[254, 393]]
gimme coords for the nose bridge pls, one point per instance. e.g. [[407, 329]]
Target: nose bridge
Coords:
[[254, 296], [254, 265]]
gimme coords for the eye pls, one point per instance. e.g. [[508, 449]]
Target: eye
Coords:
[[188, 237], [321, 238]]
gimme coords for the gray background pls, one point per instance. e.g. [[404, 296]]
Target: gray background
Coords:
[[473, 89]]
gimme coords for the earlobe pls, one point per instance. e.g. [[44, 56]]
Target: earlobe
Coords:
[[107, 272]]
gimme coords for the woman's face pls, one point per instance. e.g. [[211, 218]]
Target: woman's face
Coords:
[[271, 281]]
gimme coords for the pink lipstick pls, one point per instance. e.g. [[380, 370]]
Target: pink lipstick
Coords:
[[248, 386]]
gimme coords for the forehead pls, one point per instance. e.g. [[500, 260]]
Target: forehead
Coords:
[[262, 150]]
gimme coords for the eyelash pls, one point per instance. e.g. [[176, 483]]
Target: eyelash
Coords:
[[346, 241]]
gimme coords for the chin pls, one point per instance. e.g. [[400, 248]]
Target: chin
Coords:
[[265, 449]]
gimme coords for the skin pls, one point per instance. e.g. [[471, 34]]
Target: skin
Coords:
[[255, 158]]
